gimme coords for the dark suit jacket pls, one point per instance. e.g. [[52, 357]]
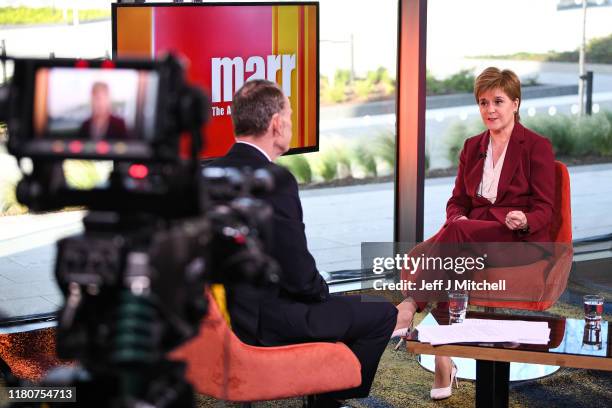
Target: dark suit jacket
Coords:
[[300, 279], [116, 129], [527, 183]]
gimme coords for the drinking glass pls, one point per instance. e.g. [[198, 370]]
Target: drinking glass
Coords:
[[593, 307], [457, 306]]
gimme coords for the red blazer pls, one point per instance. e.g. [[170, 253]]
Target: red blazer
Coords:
[[526, 183], [116, 129]]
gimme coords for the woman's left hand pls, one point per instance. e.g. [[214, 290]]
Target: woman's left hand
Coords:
[[516, 220]]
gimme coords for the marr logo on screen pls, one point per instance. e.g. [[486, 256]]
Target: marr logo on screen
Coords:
[[233, 73]]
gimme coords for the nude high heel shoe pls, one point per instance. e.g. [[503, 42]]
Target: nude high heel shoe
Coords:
[[405, 331], [442, 393]]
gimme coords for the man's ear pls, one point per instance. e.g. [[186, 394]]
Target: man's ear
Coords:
[[275, 123]]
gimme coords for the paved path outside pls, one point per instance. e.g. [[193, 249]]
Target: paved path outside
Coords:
[[337, 221]]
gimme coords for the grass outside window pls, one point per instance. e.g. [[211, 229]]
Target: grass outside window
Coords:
[[47, 15]]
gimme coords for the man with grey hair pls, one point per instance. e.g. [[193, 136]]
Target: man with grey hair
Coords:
[[302, 310]]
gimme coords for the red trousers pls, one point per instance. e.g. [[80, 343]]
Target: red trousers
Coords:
[[469, 237]]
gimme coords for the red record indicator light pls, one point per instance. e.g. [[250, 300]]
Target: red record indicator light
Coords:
[[108, 64], [102, 148], [138, 171], [76, 146]]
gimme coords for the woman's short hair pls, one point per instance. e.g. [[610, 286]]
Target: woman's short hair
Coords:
[[253, 106], [506, 80], [99, 86]]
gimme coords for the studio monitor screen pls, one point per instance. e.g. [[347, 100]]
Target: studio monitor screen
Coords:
[[227, 44]]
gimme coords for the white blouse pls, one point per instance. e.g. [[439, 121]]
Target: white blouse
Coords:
[[490, 175]]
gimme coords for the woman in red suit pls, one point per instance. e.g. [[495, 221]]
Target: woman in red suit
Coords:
[[102, 124], [504, 188]]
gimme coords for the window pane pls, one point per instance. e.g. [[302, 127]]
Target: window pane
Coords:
[[349, 198], [548, 68]]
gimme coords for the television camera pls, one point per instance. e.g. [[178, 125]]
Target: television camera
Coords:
[[160, 227]]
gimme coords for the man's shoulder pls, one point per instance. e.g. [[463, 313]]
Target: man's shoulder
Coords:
[[282, 176], [247, 158], [233, 159], [241, 155]]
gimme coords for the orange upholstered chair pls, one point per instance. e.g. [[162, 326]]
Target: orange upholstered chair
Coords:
[[218, 363], [221, 366], [538, 285]]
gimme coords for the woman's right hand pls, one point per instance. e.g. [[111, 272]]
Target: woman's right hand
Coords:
[[516, 220]]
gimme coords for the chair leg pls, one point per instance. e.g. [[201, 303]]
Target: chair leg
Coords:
[[308, 401], [246, 405]]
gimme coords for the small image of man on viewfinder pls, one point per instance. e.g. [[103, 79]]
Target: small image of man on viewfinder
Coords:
[[102, 124]]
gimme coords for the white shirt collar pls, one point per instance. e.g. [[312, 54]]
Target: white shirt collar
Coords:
[[491, 174], [256, 147]]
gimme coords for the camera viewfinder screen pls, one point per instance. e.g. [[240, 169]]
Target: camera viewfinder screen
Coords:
[[95, 104]]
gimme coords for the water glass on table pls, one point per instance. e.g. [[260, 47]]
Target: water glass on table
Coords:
[[593, 308], [457, 305]]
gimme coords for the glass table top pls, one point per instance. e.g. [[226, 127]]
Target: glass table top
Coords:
[[567, 336]]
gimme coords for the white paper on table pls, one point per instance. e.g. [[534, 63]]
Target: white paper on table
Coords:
[[528, 332], [486, 331]]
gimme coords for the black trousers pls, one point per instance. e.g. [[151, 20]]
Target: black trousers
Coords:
[[363, 323]]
